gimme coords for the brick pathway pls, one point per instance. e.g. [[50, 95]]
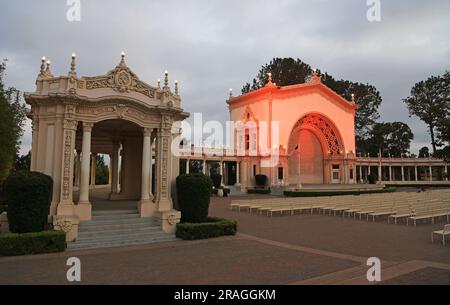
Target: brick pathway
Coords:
[[306, 249]]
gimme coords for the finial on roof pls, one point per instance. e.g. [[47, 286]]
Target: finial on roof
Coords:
[[159, 83], [353, 98], [315, 78], [166, 79], [176, 87], [122, 58], [269, 80], [48, 72], [73, 67], [42, 71], [231, 93]]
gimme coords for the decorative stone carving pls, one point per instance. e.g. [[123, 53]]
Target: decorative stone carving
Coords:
[[172, 219], [70, 124], [120, 79], [327, 129], [63, 224], [68, 157]]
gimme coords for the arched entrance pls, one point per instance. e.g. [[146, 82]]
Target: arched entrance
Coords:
[[314, 146]]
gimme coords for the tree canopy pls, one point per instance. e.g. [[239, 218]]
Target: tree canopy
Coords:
[[391, 139], [430, 102], [12, 119]]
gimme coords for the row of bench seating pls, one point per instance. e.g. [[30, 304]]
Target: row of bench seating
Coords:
[[409, 206]]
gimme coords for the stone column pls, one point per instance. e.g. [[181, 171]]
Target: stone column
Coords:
[[66, 218], [221, 173], [93, 169], [446, 171], [109, 171], [188, 162], [390, 173], [380, 178], [238, 173], [78, 168], [34, 141], [415, 172], [403, 173], [85, 164], [204, 167], [165, 214], [360, 174], [114, 165], [146, 206], [431, 173]]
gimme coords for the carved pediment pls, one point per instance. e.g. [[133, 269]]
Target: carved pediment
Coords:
[[120, 79]]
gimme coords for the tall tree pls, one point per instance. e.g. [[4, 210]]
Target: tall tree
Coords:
[[287, 71], [424, 152], [12, 119], [23, 162], [430, 102], [101, 171], [391, 139]]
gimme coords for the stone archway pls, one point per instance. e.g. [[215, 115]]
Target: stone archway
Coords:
[[314, 139]]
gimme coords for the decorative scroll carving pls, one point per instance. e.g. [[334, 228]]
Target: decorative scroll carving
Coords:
[[329, 132], [120, 79], [70, 124], [63, 224], [68, 156], [172, 219]]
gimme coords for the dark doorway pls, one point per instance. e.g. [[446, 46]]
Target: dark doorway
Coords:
[[230, 172]]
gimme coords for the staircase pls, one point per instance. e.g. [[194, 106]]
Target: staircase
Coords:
[[117, 228]]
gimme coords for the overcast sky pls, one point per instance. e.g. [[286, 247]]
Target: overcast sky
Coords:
[[213, 45]]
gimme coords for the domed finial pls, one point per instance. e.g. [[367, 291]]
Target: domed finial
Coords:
[[48, 72], [122, 58], [42, 71], [270, 77], [166, 79], [176, 87], [73, 65], [231, 93], [353, 98], [315, 78], [158, 84], [314, 72]]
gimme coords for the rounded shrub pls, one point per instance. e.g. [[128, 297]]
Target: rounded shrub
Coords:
[[216, 180], [193, 193], [28, 197], [261, 180]]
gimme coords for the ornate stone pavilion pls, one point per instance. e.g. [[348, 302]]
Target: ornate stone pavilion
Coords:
[[117, 114]]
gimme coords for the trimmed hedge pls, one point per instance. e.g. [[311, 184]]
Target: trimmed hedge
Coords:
[[28, 197], [261, 180], [32, 243], [336, 193], [258, 191], [213, 227], [194, 193], [216, 180]]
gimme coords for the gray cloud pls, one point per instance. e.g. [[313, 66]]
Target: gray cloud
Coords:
[[210, 46]]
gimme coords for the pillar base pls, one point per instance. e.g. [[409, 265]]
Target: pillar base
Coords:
[[68, 224], [168, 220], [4, 225], [146, 208], [84, 210]]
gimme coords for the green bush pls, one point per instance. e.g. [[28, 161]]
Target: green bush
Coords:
[[194, 192], [216, 180], [28, 196], [336, 193], [261, 180], [213, 227], [258, 191], [32, 243]]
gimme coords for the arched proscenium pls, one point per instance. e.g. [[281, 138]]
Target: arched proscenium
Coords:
[[328, 131]]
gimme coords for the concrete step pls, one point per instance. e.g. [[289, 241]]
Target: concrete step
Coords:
[[123, 226], [118, 221], [113, 212], [82, 235], [115, 217], [120, 243], [129, 236]]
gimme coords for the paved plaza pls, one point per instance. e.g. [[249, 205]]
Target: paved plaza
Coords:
[[302, 249]]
